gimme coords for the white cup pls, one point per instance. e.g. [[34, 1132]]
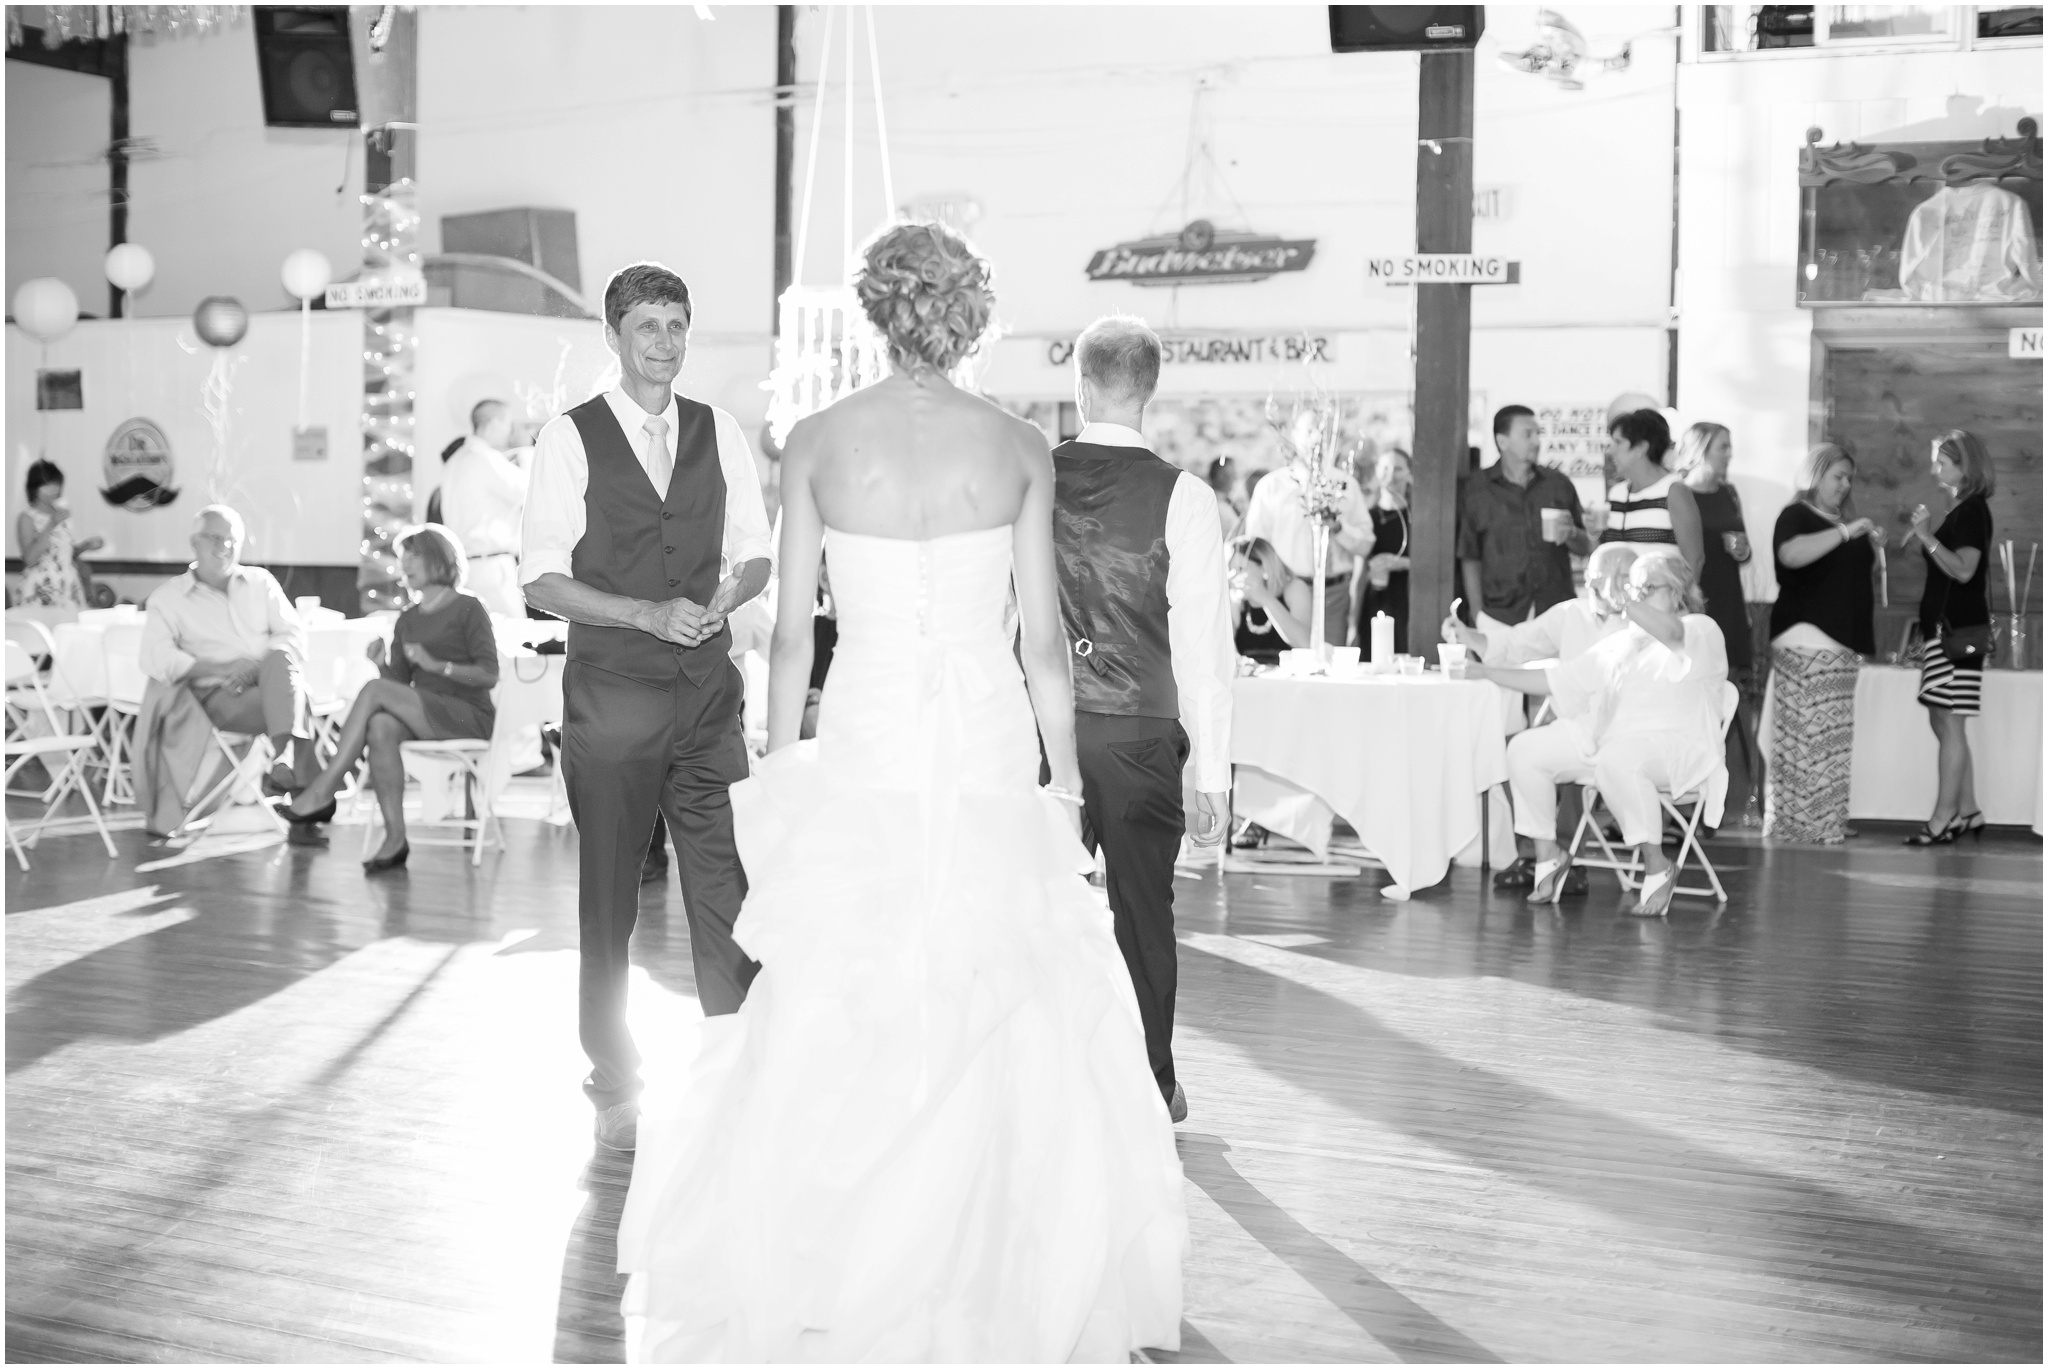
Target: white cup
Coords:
[[306, 603], [1449, 654]]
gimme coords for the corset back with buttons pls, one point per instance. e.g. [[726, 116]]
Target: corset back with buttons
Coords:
[[924, 689]]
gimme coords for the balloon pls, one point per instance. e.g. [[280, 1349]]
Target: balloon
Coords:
[[306, 273], [130, 267], [220, 321], [45, 308]]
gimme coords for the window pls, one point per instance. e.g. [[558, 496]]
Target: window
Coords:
[[1731, 30]]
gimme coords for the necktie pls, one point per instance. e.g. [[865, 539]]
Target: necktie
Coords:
[[660, 465]]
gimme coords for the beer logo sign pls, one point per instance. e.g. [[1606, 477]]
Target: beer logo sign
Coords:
[[136, 469], [1201, 254]]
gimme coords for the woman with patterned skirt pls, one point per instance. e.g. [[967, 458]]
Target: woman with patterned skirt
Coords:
[[1820, 632]]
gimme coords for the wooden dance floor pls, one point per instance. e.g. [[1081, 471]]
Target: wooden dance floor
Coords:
[[262, 1109]]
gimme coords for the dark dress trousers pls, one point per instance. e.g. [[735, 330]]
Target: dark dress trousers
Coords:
[[1109, 530], [650, 729]]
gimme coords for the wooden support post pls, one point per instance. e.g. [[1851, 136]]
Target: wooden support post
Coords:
[[785, 154], [1443, 342], [117, 160]]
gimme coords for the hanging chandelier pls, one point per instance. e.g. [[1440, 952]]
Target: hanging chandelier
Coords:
[[825, 347], [91, 23]]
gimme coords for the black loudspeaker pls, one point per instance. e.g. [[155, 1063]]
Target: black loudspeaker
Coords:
[[308, 73], [1405, 28]]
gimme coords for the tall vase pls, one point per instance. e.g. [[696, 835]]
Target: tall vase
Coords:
[[1317, 634]]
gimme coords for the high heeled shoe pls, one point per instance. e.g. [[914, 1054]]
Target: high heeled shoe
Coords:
[[378, 864], [1973, 825], [1547, 885], [1927, 836], [1655, 898], [324, 813]]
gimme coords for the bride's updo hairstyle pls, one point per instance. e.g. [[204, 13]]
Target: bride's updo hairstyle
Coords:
[[926, 292]]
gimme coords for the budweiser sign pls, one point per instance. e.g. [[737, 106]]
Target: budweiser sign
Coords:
[[1200, 254]]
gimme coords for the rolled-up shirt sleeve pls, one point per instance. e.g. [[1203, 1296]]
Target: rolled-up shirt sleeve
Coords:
[[747, 535], [1198, 629], [1703, 657], [160, 657], [553, 521], [287, 631], [1539, 639]]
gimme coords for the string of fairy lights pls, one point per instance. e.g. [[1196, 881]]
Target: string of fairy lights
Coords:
[[391, 221]]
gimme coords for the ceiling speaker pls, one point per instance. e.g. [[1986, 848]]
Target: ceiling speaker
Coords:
[[308, 73], [1405, 28]]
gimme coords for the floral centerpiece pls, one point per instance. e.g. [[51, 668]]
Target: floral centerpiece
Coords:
[[1308, 429]]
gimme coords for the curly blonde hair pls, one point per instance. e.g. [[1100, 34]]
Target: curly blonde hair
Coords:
[[926, 292]]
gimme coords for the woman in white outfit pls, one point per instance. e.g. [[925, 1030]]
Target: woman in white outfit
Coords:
[[1640, 711], [931, 1131]]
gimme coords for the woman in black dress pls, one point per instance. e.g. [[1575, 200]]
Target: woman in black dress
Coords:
[[1273, 605], [1702, 462], [1954, 600], [1386, 562], [436, 685]]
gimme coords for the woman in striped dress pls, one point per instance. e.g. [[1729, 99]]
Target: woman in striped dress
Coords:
[[1820, 633], [1957, 553], [1645, 502]]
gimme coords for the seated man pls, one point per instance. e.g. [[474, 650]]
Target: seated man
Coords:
[[223, 634], [1639, 711], [1562, 632]]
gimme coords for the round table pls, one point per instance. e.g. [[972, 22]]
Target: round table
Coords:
[[1403, 759]]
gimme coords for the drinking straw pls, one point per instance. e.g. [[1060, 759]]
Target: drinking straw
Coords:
[[2033, 550]]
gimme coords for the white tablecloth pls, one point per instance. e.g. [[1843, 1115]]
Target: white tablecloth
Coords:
[[1402, 759]]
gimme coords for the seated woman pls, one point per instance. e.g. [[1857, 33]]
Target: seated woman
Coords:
[[1639, 711], [436, 686], [1273, 605]]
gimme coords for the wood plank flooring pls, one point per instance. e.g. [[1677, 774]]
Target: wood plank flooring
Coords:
[[262, 1109]]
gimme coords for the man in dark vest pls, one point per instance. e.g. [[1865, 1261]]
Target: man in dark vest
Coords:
[[644, 528], [1146, 601]]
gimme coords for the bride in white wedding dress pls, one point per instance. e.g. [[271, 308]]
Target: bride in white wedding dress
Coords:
[[931, 1132]]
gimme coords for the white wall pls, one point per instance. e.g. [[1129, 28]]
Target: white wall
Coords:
[[1745, 347], [299, 512], [1070, 128]]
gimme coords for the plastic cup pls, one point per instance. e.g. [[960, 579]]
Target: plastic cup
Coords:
[[1450, 654], [1412, 665], [1557, 525]]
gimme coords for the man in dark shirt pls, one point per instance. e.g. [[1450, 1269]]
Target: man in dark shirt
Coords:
[[1513, 566]]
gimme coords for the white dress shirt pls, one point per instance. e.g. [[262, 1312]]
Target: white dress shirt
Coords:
[[1197, 614], [190, 622], [1275, 513], [561, 474], [482, 493]]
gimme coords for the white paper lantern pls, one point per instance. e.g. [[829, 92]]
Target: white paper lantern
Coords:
[[306, 273], [45, 308], [130, 267]]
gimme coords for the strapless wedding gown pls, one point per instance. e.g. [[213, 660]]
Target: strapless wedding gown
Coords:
[[931, 1132]]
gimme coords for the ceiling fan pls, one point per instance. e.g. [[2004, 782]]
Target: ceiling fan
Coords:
[[1562, 53]]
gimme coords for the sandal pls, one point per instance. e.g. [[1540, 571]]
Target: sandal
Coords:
[[1664, 882], [1548, 884]]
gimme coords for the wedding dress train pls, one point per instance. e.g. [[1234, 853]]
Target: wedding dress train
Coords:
[[931, 1132]]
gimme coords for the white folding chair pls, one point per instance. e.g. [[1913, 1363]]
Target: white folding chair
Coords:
[[1630, 870], [60, 691], [21, 674], [241, 770], [125, 686], [473, 757]]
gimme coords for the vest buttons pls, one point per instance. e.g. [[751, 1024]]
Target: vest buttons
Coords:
[[673, 583], [670, 550], [666, 515]]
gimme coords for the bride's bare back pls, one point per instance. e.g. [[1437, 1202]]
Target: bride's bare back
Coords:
[[916, 458]]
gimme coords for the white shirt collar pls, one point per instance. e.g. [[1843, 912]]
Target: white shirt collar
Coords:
[[633, 418], [1112, 435]]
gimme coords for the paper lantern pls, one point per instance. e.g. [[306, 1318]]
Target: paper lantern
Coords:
[[45, 308], [130, 267], [306, 273], [220, 321]]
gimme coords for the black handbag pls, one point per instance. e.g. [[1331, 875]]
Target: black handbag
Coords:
[[1968, 646]]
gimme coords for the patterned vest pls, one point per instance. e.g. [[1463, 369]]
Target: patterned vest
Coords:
[[640, 545], [1109, 531]]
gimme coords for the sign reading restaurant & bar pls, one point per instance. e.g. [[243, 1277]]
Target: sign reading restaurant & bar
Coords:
[[1201, 254], [1225, 349]]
